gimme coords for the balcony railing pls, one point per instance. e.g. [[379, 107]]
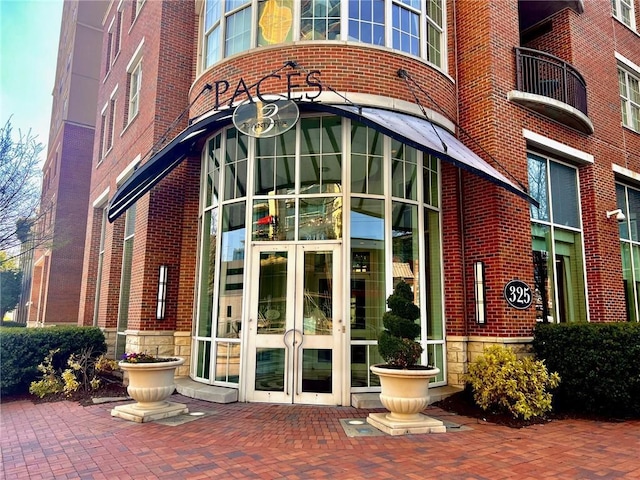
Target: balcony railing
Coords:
[[543, 74]]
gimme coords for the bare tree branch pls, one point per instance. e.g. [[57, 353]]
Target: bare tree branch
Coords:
[[20, 183]]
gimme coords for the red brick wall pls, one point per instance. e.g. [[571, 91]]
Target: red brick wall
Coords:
[[167, 72], [481, 222], [69, 189], [495, 223], [351, 68]]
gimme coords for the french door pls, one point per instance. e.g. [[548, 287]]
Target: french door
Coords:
[[295, 330]]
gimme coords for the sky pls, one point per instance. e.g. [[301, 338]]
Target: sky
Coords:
[[29, 37]]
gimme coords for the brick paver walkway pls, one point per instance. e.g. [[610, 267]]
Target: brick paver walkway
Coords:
[[67, 441]]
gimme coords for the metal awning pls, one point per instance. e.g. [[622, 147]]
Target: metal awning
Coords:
[[425, 136], [163, 162], [414, 131]]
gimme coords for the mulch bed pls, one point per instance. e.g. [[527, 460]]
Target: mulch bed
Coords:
[[110, 387], [462, 403]]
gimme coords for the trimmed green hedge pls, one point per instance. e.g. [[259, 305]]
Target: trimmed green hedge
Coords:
[[9, 323], [23, 349], [598, 363]]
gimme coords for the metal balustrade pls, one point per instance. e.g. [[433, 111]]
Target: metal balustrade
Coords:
[[543, 74]]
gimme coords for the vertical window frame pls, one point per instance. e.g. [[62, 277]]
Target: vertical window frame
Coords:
[[430, 31], [134, 84], [630, 108], [125, 279], [554, 239], [624, 11]]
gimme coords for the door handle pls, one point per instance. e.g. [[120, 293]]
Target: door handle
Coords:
[[293, 348]]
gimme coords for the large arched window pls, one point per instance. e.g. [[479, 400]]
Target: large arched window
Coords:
[[328, 181], [414, 27]]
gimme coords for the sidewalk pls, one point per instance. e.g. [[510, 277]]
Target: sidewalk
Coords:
[[64, 440]]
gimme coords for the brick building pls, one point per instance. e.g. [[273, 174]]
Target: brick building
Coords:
[[264, 172], [57, 260]]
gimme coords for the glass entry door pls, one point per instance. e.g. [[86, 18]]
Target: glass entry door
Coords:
[[295, 329]]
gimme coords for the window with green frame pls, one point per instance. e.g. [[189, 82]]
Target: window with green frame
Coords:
[[629, 201], [556, 231], [125, 280]]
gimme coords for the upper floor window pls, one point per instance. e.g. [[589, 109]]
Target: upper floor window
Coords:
[[114, 36], [623, 11], [320, 20], [135, 81], [630, 98], [117, 33], [415, 27], [107, 119], [556, 231], [137, 6]]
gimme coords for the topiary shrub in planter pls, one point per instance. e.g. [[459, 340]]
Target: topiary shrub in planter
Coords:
[[397, 342], [503, 383], [404, 383]]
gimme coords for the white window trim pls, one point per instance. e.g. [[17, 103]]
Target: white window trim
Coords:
[[128, 171], [133, 108], [136, 57], [138, 4], [629, 176], [632, 15], [628, 63], [344, 31], [557, 148], [132, 65], [631, 69], [101, 200]]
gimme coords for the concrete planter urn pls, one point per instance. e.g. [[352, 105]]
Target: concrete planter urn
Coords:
[[150, 384], [405, 393], [404, 383]]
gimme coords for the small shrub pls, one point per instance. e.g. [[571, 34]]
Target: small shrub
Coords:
[[83, 373], [49, 383], [22, 349], [502, 382]]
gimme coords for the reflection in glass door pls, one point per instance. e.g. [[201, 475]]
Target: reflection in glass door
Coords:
[[295, 333]]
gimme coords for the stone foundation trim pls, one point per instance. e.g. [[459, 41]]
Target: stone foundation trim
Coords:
[[139, 415], [424, 424]]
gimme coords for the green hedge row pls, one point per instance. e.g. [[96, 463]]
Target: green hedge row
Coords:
[[9, 323], [23, 349], [598, 363]]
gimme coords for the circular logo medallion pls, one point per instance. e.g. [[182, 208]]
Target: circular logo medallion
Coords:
[[266, 119]]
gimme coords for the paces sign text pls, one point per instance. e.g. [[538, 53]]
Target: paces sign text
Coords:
[[243, 92]]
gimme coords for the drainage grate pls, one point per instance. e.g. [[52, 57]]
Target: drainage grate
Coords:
[[358, 427]]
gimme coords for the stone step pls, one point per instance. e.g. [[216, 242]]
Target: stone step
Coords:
[[209, 393]]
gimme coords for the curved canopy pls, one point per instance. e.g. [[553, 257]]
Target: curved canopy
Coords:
[[414, 131]]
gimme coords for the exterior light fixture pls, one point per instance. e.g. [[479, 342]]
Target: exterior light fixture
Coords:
[[480, 292], [162, 292], [618, 214]]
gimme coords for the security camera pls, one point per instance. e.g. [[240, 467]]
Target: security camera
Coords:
[[618, 213]]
